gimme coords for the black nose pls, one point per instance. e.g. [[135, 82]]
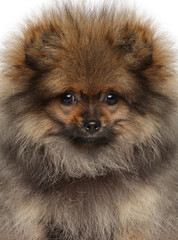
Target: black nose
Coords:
[[92, 126]]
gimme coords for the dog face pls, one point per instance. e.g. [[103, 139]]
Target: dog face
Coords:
[[87, 97]]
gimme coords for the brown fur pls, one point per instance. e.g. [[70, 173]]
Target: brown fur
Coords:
[[121, 188]]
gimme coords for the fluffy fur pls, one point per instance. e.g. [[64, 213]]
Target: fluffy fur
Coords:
[[119, 185]]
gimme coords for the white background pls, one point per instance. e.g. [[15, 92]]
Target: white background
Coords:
[[164, 12]]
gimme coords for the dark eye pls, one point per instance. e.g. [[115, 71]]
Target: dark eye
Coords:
[[68, 98], [111, 98]]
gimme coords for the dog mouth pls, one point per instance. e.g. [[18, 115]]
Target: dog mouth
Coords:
[[90, 140], [77, 136], [99, 138]]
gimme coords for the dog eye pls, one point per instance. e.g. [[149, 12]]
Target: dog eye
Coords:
[[111, 98], [68, 98]]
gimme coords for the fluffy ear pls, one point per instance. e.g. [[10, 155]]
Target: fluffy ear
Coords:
[[135, 45], [34, 52], [41, 46]]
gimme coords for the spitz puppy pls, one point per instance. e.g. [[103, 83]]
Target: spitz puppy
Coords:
[[88, 126]]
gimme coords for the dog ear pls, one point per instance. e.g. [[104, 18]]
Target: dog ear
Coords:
[[135, 45], [41, 46], [34, 52]]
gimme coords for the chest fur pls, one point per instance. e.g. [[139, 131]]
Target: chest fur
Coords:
[[103, 213]]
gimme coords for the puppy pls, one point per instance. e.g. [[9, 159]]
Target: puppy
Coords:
[[88, 127]]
